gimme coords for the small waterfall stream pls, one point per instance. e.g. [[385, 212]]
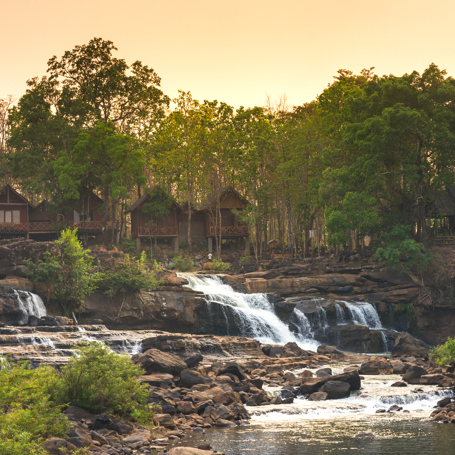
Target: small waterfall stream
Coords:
[[30, 305]]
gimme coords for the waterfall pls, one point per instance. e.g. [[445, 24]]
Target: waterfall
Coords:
[[130, 348], [253, 314], [30, 305], [341, 317], [364, 313]]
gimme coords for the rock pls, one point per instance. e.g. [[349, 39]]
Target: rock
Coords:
[[99, 437], [164, 420], [413, 374], [311, 385], [123, 427], [189, 451], [444, 402], [194, 360], [323, 372], [336, 389], [224, 423], [318, 396], [185, 407], [407, 345], [189, 378], [432, 379], [398, 366], [233, 368], [365, 435], [156, 379], [376, 366], [154, 360], [399, 384], [57, 446], [54, 321], [395, 408], [81, 441], [330, 350], [356, 338]]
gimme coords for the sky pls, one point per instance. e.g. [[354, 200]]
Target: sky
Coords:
[[238, 52]]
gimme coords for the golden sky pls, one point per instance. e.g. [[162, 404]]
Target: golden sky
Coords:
[[233, 51]]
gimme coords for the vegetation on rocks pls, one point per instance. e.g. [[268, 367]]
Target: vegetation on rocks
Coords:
[[33, 400], [444, 354]]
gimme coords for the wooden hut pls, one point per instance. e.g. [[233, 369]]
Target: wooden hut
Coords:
[[220, 220], [146, 226], [14, 213]]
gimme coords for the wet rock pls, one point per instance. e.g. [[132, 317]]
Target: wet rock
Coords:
[[323, 372], [376, 366], [398, 367], [234, 369], [399, 384], [189, 451], [224, 423], [407, 345], [395, 408], [432, 379], [330, 350], [336, 389], [365, 435], [413, 374], [444, 402], [154, 360], [164, 420], [318, 396]]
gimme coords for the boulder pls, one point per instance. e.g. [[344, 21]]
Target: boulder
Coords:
[[164, 420], [318, 396], [336, 389], [154, 360], [57, 446], [189, 378], [376, 366], [233, 368], [413, 374], [432, 379], [407, 345], [193, 360]]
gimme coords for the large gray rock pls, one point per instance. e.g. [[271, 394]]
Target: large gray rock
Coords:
[[336, 389], [413, 374], [376, 366], [407, 345], [157, 361], [189, 378]]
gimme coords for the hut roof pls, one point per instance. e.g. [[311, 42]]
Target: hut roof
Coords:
[[144, 197], [211, 200]]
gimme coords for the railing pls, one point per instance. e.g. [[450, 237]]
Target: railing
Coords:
[[159, 231], [49, 226], [230, 230], [13, 227], [443, 240]]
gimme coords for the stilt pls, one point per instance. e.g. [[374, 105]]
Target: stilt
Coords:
[[210, 244], [138, 244]]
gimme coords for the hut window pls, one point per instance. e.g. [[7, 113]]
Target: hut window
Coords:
[[10, 216]]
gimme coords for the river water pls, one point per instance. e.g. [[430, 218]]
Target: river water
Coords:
[[351, 425]]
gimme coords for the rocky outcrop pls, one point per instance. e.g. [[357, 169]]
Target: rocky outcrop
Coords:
[[407, 345], [172, 308]]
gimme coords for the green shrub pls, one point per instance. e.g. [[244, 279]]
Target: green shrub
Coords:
[[129, 275], [244, 259], [207, 266], [220, 266], [183, 263], [444, 354], [68, 267], [99, 380], [28, 416]]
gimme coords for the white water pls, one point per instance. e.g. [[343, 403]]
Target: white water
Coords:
[[131, 348], [341, 316], [255, 313], [363, 313], [44, 341], [30, 304]]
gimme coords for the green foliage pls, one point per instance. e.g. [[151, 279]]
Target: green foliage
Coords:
[[68, 266], [157, 204], [403, 253], [220, 266], [99, 380], [183, 263], [129, 275], [444, 354], [207, 266], [28, 415], [245, 258]]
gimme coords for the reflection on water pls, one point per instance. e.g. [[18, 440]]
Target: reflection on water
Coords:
[[341, 436]]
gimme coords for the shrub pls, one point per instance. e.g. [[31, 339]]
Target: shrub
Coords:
[[68, 267], [244, 259], [28, 416], [207, 266], [444, 354], [220, 266], [183, 263], [129, 275], [99, 380]]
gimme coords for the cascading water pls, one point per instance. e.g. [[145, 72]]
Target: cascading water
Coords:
[[254, 314], [30, 305], [341, 316], [364, 313]]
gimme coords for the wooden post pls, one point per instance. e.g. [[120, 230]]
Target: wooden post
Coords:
[[176, 244], [138, 244], [210, 244]]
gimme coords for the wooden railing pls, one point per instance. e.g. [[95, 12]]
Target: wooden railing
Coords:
[[443, 241], [13, 227], [230, 231], [49, 226], [35, 226], [159, 231]]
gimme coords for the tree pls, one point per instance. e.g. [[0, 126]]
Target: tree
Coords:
[[86, 96]]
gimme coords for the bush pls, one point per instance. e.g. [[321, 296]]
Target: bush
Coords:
[[183, 263], [99, 380], [220, 266], [245, 259], [207, 266], [444, 354], [129, 275], [68, 267], [27, 415]]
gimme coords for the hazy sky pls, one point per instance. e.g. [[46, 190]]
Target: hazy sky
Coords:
[[233, 51]]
